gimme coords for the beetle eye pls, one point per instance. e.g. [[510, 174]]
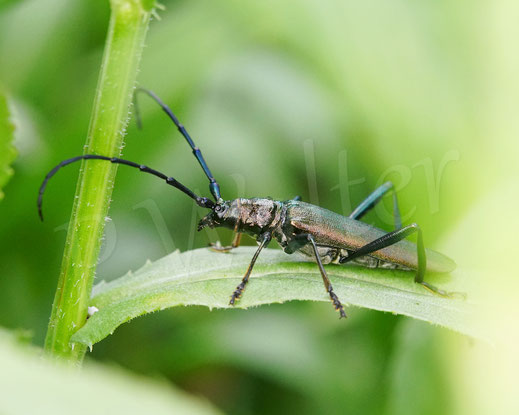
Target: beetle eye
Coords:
[[218, 208]]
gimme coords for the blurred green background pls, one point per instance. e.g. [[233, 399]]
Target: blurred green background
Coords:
[[323, 99]]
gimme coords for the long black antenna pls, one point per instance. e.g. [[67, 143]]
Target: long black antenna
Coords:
[[214, 187], [201, 201]]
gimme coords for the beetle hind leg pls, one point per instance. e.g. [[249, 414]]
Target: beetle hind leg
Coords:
[[394, 237], [374, 198]]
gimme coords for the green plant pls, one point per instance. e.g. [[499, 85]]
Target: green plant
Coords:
[[7, 152], [24, 370], [125, 41]]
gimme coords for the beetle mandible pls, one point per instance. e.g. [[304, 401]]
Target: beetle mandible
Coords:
[[298, 226]]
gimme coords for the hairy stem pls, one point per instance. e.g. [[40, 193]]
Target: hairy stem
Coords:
[[126, 33]]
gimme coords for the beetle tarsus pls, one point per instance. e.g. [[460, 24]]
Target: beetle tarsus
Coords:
[[217, 247], [442, 293], [237, 293], [336, 302]]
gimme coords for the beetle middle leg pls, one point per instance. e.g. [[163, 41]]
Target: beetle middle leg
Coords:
[[297, 243], [264, 241], [392, 238], [376, 196]]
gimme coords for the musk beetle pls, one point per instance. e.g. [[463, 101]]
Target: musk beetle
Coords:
[[325, 236]]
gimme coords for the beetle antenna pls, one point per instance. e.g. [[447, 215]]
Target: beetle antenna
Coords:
[[214, 187], [201, 201]]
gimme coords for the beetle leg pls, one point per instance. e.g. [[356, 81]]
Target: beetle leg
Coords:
[[297, 243], [235, 244], [392, 238], [375, 197], [235, 241], [265, 239], [327, 284]]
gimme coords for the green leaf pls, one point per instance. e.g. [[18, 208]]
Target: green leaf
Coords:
[[204, 277], [33, 385], [7, 151]]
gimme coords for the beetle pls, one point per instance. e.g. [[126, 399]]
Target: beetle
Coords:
[[316, 232]]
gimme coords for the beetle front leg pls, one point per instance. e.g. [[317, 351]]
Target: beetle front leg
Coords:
[[235, 244], [235, 241], [297, 243], [264, 241]]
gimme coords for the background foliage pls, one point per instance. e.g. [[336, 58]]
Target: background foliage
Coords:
[[322, 99]]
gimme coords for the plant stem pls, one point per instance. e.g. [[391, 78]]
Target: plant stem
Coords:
[[126, 33]]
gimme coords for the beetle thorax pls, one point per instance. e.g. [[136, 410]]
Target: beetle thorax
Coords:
[[252, 216]]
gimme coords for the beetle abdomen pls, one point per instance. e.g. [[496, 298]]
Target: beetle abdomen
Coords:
[[333, 231], [331, 255]]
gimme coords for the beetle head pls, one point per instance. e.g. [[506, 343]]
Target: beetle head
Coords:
[[217, 217]]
